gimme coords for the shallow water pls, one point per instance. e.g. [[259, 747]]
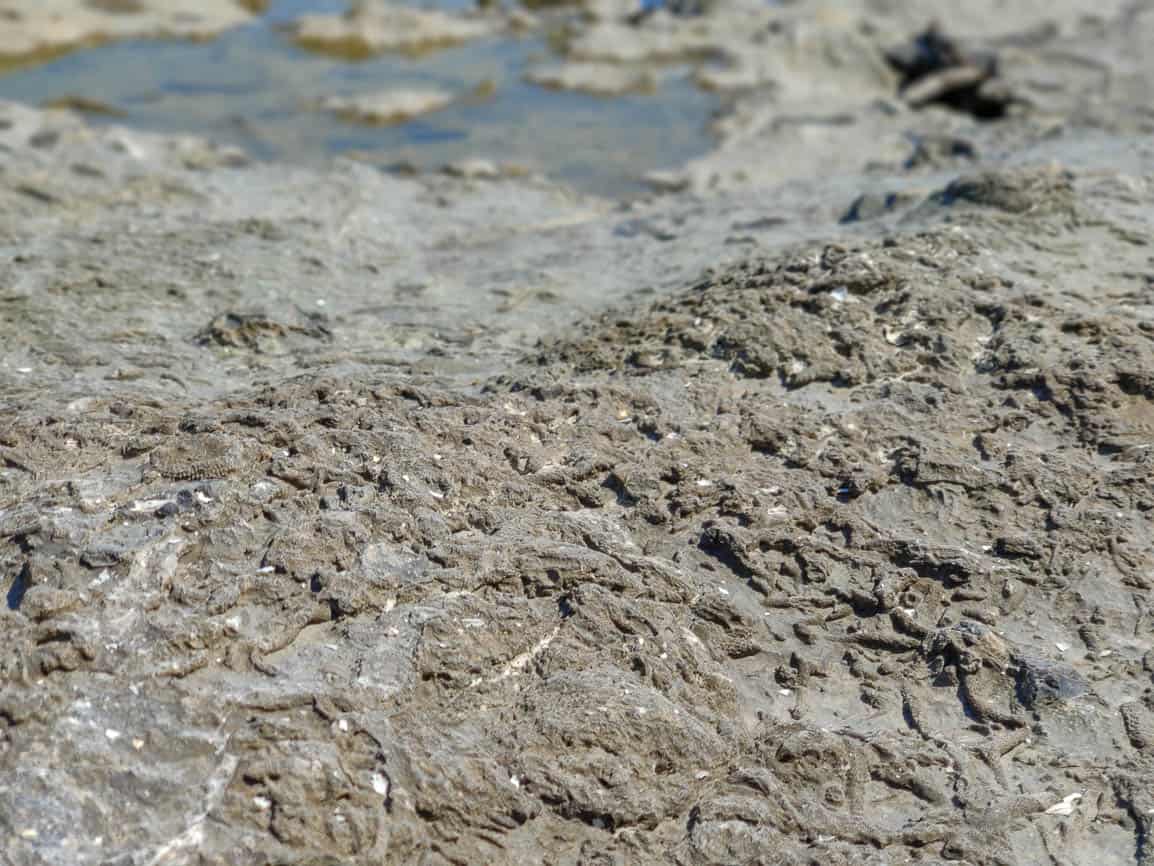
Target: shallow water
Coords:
[[253, 87]]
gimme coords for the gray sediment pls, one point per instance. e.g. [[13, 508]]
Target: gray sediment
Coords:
[[800, 515]]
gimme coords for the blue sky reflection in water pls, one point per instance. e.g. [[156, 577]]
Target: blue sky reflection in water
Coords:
[[254, 88]]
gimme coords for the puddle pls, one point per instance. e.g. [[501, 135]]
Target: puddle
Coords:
[[252, 87]]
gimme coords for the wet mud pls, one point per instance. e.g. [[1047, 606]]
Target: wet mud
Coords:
[[355, 518]]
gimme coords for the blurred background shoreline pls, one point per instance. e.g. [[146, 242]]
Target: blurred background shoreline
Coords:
[[488, 96]]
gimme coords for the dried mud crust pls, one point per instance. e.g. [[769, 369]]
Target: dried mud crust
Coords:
[[839, 556]]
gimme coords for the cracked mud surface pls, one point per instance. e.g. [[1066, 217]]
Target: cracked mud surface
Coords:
[[830, 543]]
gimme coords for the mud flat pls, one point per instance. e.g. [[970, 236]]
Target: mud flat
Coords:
[[371, 27], [35, 29], [461, 518]]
